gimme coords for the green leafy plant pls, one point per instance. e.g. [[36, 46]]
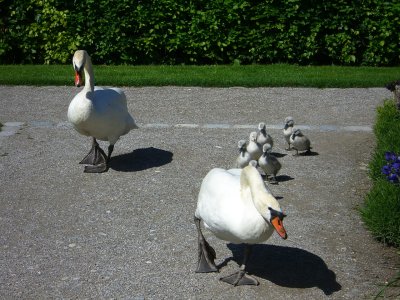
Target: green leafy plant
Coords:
[[202, 32], [381, 210]]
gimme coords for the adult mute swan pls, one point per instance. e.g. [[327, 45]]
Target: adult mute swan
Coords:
[[236, 206], [99, 113]]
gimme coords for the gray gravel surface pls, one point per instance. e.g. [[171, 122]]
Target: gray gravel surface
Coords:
[[129, 233]]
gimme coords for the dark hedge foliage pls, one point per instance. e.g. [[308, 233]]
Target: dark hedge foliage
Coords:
[[363, 32]]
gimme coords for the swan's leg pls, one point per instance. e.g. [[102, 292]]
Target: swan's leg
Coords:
[[297, 152], [206, 253], [240, 277], [110, 150], [103, 165], [97, 159], [289, 148], [95, 156], [273, 179]]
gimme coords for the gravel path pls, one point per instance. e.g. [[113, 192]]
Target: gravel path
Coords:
[[129, 233]]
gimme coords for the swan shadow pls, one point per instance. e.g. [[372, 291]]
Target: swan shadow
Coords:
[[140, 159], [278, 155], [279, 178], [283, 178], [308, 153], [288, 267]]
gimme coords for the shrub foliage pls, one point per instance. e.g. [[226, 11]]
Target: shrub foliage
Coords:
[[202, 32], [381, 211]]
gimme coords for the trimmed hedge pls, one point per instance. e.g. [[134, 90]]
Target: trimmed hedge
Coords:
[[202, 32]]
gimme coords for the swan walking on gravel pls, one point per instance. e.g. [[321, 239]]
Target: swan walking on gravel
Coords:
[[236, 206], [269, 164], [300, 142], [263, 137], [101, 113], [253, 147], [288, 130]]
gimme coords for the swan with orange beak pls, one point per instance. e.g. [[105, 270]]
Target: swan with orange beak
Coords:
[[101, 113], [236, 206], [78, 76]]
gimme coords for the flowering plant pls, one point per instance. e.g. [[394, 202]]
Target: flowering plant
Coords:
[[392, 167]]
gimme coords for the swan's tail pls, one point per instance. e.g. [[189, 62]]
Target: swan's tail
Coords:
[[131, 123]]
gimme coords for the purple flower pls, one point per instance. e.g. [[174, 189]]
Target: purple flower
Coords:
[[388, 156], [386, 170], [393, 178], [396, 167], [392, 167], [391, 156]]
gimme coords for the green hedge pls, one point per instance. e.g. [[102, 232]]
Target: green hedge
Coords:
[[381, 211], [202, 32]]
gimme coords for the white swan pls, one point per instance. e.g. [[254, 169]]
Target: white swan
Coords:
[[235, 206], [99, 113], [287, 130]]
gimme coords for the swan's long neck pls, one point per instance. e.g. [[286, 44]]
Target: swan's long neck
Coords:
[[89, 76], [253, 185]]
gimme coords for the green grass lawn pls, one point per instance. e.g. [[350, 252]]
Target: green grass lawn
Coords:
[[210, 76]]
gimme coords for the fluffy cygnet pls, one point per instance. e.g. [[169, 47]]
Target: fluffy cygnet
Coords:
[[253, 147], [288, 130], [262, 135], [244, 157], [269, 163], [300, 142]]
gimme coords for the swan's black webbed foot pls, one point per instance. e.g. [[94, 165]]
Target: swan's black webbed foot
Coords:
[[240, 278], [96, 155], [96, 159], [206, 258], [100, 168]]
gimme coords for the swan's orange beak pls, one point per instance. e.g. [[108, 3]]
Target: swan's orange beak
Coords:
[[78, 79], [278, 224]]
